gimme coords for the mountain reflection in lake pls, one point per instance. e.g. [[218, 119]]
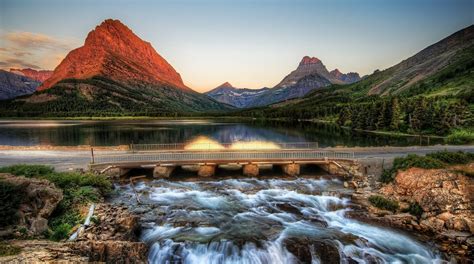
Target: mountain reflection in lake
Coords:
[[124, 132]]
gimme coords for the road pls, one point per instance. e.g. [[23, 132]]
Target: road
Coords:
[[64, 160]]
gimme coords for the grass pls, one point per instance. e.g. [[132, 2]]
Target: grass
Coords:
[[383, 203], [436, 160], [78, 190], [27, 170], [8, 250], [453, 157], [461, 136]]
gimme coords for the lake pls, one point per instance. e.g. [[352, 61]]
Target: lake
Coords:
[[124, 132]]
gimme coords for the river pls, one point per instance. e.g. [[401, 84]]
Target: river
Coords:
[[266, 220], [271, 219]]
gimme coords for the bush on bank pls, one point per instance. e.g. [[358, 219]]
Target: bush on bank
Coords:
[[78, 189], [436, 160], [383, 203], [461, 136]]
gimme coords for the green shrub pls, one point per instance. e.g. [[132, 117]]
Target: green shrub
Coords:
[[10, 200], [27, 170], [414, 209], [62, 223], [60, 232], [461, 136], [452, 157], [383, 203], [66, 180], [410, 161], [8, 250]]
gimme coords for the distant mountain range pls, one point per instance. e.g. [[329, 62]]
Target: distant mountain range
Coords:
[[116, 72], [238, 97], [310, 74], [13, 85], [37, 75]]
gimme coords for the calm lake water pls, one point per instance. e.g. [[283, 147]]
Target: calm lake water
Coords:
[[123, 132]]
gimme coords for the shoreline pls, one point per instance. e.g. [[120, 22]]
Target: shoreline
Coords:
[[335, 148]]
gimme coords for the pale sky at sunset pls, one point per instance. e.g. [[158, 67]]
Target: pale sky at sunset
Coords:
[[249, 43]]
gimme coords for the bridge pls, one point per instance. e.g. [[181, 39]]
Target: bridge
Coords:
[[165, 158]]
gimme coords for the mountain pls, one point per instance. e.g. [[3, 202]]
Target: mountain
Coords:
[[115, 72], [13, 85], [348, 78], [238, 97], [430, 92], [39, 76], [310, 74]]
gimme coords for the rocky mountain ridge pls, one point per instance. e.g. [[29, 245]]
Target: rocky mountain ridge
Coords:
[[310, 74], [37, 75]]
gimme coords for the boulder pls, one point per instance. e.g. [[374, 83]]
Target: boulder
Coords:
[[305, 249], [40, 199], [111, 251]]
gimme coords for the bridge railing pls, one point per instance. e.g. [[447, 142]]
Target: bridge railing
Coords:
[[241, 156], [236, 146]]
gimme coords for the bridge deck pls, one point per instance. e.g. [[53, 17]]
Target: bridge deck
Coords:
[[219, 157]]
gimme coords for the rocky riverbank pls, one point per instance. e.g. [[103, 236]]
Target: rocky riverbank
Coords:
[[34, 209], [437, 203], [112, 237]]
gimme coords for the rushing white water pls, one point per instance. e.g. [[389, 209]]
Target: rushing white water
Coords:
[[263, 221]]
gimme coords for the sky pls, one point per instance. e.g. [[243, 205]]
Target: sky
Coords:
[[249, 43]]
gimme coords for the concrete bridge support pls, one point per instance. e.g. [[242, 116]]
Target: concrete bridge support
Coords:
[[207, 170], [251, 170], [163, 171], [291, 169]]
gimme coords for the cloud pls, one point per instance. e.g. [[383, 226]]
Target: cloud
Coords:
[[29, 40], [17, 63], [33, 50], [22, 53]]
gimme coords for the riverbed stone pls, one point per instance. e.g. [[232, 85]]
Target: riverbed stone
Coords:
[[303, 249]]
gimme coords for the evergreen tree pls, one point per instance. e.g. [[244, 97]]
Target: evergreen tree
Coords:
[[396, 115]]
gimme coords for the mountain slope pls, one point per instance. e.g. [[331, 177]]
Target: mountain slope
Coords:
[[115, 72], [238, 97], [13, 85]]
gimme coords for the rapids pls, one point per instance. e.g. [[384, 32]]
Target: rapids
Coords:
[[262, 221]]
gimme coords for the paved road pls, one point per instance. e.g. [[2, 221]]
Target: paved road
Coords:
[[64, 160]]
